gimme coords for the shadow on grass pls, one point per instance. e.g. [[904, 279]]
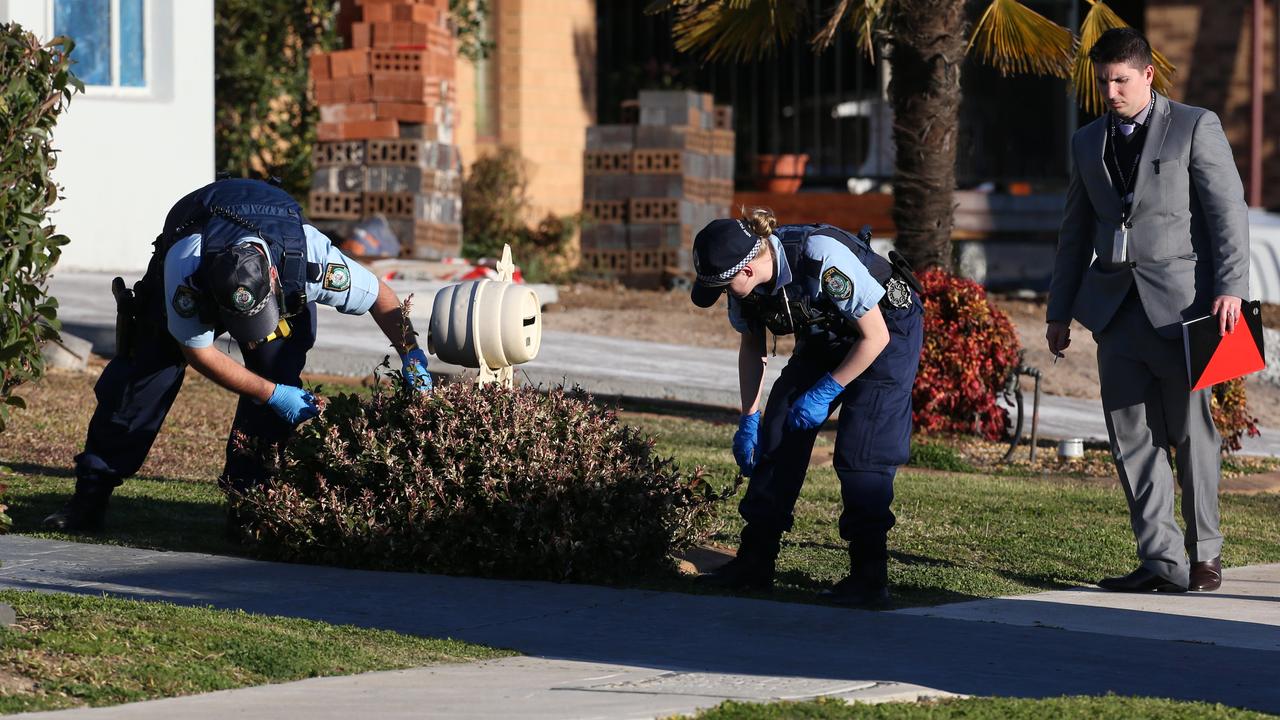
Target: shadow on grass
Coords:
[[180, 525]]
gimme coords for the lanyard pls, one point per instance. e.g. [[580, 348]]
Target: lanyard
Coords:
[[1130, 182]]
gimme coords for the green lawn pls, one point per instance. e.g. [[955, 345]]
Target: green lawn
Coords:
[[72, 650], [966, 535], [1064, 708], [960, 535]]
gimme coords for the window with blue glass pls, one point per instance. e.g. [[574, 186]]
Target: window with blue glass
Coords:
[[110, 40]]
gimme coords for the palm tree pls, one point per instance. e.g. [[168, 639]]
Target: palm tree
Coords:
[[925, 43]]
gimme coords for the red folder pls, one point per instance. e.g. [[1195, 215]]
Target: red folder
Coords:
[[1214, 358]]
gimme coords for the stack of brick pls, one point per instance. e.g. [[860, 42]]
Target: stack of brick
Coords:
[[386, 132], [649, 187]]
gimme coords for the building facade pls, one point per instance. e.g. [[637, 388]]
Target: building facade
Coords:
[[141, 135]]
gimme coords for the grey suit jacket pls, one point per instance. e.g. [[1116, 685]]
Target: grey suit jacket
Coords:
[[1190, 237]]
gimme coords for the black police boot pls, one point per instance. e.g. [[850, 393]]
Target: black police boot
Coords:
[[867, 585], [84, 512], [752, 569]]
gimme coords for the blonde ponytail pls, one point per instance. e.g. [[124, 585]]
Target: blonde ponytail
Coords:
[[759, 220]]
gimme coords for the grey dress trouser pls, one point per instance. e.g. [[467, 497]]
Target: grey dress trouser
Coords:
[[1149, 409]]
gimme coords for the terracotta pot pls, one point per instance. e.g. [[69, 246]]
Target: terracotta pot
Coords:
[[781, 173]]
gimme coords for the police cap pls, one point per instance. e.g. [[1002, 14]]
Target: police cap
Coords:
[[720, 251], [239, 280]]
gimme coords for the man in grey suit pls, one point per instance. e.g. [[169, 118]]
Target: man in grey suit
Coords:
[[1155, 194]]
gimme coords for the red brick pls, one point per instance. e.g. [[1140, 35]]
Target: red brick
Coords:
[[347, 112], [349, 63], [408, 112], [393, 88], [363, 130], [380, 12], [326, 92], [359, 90], [361, 35], [416, 13], [400, 34], [319, 66]]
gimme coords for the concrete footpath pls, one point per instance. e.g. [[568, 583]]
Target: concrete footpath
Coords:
[[607, 366], [601, 652]]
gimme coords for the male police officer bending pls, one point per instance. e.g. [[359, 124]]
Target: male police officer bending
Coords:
[[235, 256]]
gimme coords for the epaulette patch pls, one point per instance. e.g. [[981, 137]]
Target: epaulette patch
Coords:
[[185, 302], [837, 284], [337, 277]]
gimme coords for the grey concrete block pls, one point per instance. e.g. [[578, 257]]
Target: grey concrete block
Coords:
[[339, 178], [677, 99], [604, 236], [67, 353], [611, 137], [8, 616], [607, 187]]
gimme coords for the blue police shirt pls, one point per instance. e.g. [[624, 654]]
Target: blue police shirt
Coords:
[[834, 257], [184, 257]]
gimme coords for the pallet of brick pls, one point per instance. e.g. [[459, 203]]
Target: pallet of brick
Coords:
[[386, 131], [676, 108], [648, 187]]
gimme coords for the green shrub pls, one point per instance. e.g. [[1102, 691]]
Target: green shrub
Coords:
[[36, 84], [495, 208], [970, 347], [264, 120], [478, 481]]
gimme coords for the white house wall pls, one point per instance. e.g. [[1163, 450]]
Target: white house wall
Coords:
[[125, 159]]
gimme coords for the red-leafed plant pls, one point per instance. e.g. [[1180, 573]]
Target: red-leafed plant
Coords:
[[479, 481], [970, 347], [5, 521], [1231, 414]]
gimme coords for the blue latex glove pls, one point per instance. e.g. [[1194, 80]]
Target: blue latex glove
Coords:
[[415, 369], [812, 409], [293, 403], [745, 442]]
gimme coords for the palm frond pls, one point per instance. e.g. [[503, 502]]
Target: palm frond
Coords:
[[735, 30], [863, 19], [1014, 39], [1099, 20]]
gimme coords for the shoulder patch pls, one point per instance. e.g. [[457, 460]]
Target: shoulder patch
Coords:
[[336, 277], [185, 302], [837, 284]]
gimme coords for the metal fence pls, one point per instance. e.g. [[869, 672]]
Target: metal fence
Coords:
[[828, 106]]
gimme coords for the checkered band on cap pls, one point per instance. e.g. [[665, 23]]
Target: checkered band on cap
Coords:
[[724, 277]]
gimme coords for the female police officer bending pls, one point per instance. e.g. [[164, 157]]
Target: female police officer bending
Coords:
[[858, 335]]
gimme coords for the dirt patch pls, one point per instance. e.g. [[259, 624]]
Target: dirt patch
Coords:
[[12, 683]]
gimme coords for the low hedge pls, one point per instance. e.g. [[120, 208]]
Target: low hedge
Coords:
[[479, 481]]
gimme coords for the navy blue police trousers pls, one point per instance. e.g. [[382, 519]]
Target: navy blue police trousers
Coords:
[[138, 387], [873, 434]]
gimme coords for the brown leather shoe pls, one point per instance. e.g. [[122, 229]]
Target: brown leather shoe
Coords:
[[1140, 581], [1206, 576]]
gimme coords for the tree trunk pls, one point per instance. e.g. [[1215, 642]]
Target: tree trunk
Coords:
[[926, 51]]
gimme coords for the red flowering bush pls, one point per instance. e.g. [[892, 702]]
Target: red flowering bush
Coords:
[[6, 523], [970, 348], [478, 481], [1231, 414]]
